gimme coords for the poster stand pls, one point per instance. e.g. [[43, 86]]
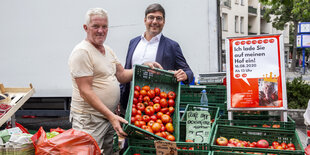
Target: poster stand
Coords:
[[256, 74]]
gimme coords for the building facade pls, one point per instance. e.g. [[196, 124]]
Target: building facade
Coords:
[[245, 18]]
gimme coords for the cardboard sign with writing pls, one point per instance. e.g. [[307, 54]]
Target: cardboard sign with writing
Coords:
[[198, 126], [165, 148]]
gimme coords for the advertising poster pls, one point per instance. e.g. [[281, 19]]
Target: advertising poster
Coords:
[[306, 40], [254, 72]]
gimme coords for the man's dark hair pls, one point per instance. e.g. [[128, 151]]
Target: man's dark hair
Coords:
[[153, 8]]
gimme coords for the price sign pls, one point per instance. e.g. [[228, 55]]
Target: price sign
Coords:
[[198, 126], [165, 147]]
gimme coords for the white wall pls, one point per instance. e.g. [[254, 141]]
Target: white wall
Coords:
[[37, 37]]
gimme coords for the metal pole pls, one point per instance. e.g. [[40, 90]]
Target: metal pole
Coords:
[[303, 61]]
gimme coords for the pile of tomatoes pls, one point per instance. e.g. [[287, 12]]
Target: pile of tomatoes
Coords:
[[233, 142], [152, 110]]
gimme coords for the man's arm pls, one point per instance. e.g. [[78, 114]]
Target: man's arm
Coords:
[[123, 75], [182, 64], [85, 87]]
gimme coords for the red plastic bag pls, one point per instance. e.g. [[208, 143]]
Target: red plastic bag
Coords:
[[71, 142], [307, 150], [59, 130]]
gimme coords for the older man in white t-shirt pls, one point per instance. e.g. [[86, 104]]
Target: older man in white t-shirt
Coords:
[[96, 73]]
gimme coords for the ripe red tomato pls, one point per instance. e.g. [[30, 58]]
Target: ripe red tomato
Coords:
[[135, 101], [132, 120], [169, 127], [284, 145], [146, 99], [163, 103], [137, 88], [142, 123], [156, 127], [222, 141], [164, 133], [157, 107], [136, 94], [159, 114], [138, 118], [146, 88], [291, 148], [139, 112], [170, 137], [171, 95], [163, 95], [164, 110], [290, 145], [156, 99], [146, 118], [233, 141], [159, 134], [171, 102], [143, 92], [151, 93], [153, 117], [149, 110], [275, 144], [163, 128], [151, 104], [165, 118], [171, 110], [157, 91], [133, 112], [150, 123], [190, 141], [262, 143], [159, 121], [137, 123], [140, 106]]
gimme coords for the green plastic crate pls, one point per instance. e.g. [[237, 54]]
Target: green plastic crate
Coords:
[[150, 144], [214, 112], [115, 143], [260, 120], [255, 134], [192, 93], [166, 82], [152, 151]]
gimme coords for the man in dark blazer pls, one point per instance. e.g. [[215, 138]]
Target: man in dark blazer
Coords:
[[153, 46]]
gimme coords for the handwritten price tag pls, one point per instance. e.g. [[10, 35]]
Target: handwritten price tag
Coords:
[[198, 126]]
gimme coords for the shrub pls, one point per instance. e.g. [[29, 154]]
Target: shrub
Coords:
[[298, 93]]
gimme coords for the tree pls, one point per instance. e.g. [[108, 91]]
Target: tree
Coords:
[[287, 11]]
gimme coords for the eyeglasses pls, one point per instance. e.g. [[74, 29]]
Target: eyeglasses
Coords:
[[158, 18]]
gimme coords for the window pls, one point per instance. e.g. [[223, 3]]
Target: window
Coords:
[[236, 1], [236, 24], [241, 24], [224, 22], [242, 2]]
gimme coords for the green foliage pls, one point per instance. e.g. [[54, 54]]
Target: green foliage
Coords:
[[298, 93]]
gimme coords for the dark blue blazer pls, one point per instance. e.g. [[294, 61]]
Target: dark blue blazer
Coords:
[[169, 56]]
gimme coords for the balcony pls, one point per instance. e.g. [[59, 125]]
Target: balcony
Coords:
[[252, 10], [227, 3], [262, 12]]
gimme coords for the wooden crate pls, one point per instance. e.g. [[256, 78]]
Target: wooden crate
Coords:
[[18, 97]]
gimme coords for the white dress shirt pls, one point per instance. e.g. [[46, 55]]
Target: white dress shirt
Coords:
[[146, 50]]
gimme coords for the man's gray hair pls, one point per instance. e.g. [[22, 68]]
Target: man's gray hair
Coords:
[[95, 11]]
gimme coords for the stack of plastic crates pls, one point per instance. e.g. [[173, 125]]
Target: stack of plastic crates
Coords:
[[191, 94], [251, 134]]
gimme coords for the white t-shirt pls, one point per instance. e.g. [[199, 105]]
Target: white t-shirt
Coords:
[[86, 60]]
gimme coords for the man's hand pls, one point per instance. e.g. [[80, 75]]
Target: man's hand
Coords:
[[115, 121], [153, 65], [180, 75]]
